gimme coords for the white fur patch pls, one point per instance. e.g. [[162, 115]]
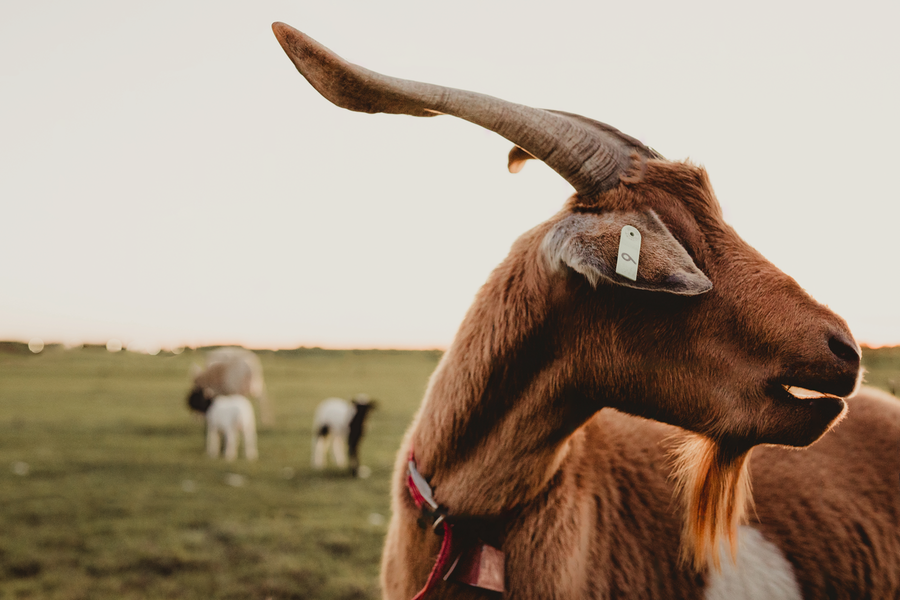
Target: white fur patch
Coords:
[[231, 417], [761, 573], [336, 414]]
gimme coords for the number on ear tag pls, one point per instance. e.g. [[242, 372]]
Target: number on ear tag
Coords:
[[629, 253]]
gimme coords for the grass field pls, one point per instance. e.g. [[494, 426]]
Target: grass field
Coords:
[[105, 491], [119, 500]]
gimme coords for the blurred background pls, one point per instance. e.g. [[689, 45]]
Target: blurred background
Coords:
[[169, 183]]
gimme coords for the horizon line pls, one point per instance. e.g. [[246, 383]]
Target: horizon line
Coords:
[[143, 348]]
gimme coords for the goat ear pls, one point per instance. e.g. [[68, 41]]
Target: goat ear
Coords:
[[517, 158], [589, 244], [195, 371]]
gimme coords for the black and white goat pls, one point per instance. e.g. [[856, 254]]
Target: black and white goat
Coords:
[[340, 424]]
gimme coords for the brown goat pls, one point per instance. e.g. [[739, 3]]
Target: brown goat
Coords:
[[549, 428], [230, 371]]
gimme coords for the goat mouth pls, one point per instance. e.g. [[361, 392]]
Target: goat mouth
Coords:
[[808, 389], [809, 394], [800, 414], [804, 394], [823, 400]]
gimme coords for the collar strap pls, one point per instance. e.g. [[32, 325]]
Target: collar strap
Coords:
[[481, 566], [418, 487], [424, 499]]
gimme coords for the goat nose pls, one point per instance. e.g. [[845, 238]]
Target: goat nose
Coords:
[[845, 349]]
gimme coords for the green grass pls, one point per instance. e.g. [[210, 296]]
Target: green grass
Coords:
[[105, 510]]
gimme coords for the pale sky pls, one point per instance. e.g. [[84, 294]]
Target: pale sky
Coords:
[[167, 177]]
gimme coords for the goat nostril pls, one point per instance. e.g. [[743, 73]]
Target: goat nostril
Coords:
[[843, 349]]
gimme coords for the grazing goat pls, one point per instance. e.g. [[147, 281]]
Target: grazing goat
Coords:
[[230, 371], [341, 424], [231, 417], [543, 449]]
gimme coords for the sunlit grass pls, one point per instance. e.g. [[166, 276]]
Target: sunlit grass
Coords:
[[105, 491]]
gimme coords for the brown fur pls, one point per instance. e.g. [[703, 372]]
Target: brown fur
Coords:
[[607, 527], [512, 430], [223, 379], [234, 371], [834, 510]]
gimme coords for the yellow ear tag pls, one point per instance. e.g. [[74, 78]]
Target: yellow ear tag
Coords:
[[629, 253]]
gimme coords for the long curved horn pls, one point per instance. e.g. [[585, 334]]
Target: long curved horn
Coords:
[[589, 155]]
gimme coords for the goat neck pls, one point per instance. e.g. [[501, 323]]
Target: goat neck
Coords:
[[492, 428]]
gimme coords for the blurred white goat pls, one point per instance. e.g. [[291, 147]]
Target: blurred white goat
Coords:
[[231, 417], [230, 371], [340, 423]]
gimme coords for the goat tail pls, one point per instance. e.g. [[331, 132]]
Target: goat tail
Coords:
[[712, 481]]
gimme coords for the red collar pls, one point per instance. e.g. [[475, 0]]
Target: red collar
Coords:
[[480, 565]]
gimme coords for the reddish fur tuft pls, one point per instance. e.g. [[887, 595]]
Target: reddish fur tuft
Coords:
[[713, 484]]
